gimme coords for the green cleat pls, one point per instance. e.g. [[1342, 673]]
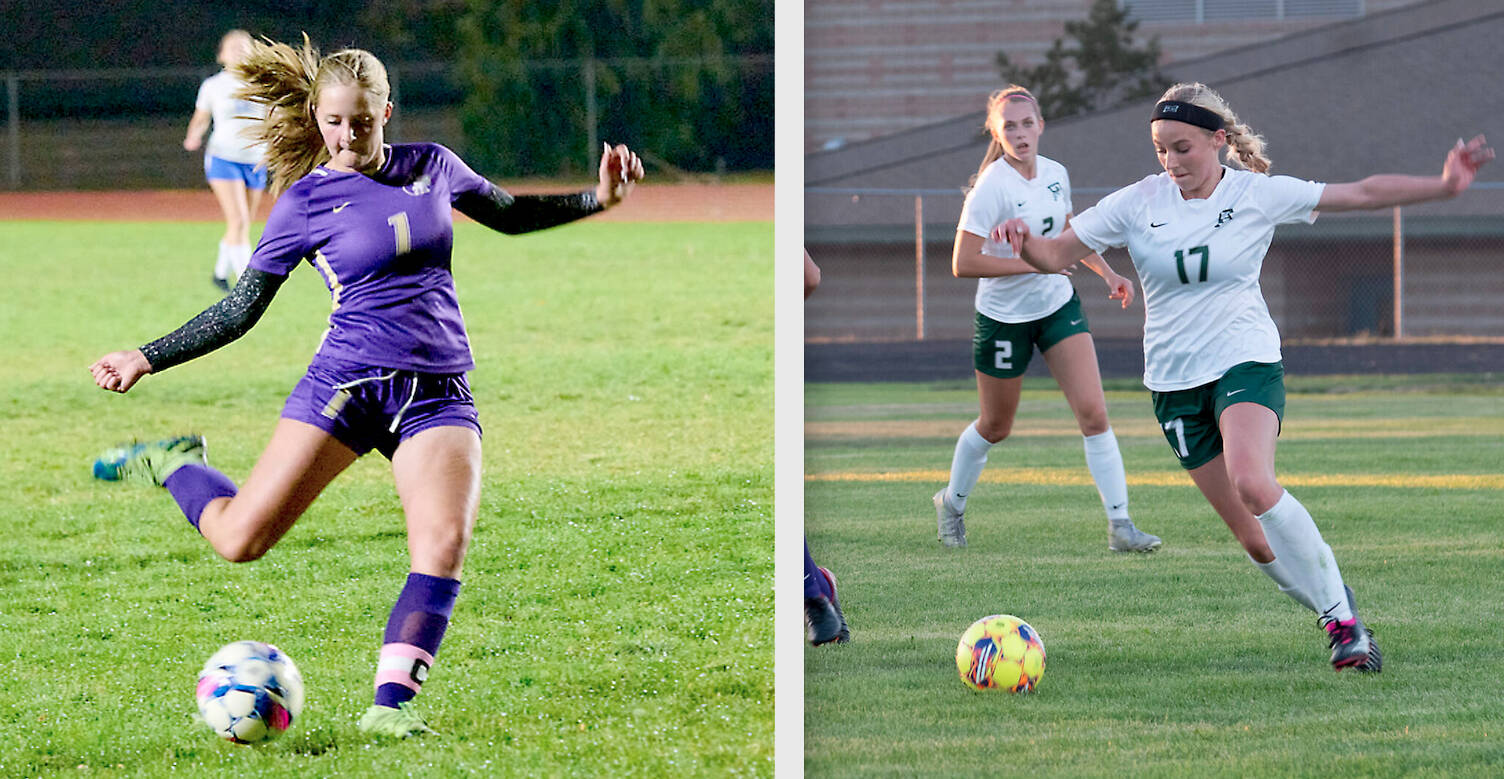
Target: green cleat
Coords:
[[150, 463], [400, 722]]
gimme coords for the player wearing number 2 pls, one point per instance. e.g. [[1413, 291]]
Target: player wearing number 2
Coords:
[[1197, 234], [390, 372], [1019, 308]]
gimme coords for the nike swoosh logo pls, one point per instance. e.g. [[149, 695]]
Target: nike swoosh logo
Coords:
[[960, 494], [341, 206], [1161, 224], [1236, 391], [1118, 506], [1021, 205], [1076, 321]]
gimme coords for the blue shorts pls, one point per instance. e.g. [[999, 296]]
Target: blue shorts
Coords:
[[369, 408], [252, 174]]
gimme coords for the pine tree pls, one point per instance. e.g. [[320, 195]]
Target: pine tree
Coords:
[[1100, 67]]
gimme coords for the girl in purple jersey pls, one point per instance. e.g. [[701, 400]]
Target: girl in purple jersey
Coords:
[[374, 219]]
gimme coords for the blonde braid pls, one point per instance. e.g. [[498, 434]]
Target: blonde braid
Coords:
[[1245, 147]]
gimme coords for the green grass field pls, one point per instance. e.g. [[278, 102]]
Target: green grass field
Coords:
[[1187, 662], [616, 616]]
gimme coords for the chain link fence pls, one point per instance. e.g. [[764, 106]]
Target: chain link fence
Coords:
[[1386, 276]]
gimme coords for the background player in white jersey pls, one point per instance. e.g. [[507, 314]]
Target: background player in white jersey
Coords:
[[1019, 308], [1197, 234], [232, 161]]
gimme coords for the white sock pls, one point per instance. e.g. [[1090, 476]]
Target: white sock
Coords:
[[1106, 465], [1275, 569], [966, 466], [1296, 542], [223, 263], [241, 258]]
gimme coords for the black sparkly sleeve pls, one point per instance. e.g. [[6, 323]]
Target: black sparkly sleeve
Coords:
[[514, 214], [218, 324]]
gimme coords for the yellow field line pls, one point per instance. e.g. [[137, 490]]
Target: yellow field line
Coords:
[[1080, 477], [1294, 431]]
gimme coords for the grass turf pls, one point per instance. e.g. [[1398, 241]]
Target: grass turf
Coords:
[[616, 615], [1186, 662]]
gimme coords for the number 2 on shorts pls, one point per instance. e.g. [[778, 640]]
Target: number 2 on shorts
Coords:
[[1179, 427], [1002, 359]]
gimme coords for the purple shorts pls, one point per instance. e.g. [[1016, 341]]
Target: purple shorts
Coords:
[[369, 408]]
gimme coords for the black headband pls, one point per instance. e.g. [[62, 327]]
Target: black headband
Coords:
[[1188, 113]]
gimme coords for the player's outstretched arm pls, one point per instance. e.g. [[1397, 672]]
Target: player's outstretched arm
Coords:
[[1388, 190], [214, 327], [968, 262], [619, 172], [1049, 255], [503, 212]]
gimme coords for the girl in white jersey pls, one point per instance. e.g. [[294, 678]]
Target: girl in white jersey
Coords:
[[1019, 308], [232, 161], [1197, 234]]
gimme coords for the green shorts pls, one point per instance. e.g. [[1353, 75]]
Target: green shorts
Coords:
[[1189, 416], [1004, 349]]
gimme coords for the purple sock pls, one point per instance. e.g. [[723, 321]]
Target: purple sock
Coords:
[[815, 584], [193, 486], [412, 638]]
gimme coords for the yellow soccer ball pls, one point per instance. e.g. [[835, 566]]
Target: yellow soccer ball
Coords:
[[1000, 652]]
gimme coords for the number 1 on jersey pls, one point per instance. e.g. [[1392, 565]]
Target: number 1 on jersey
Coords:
[[398, 221], [1180, 262]]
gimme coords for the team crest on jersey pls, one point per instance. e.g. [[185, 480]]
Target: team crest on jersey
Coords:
[[419, 187], [1055, 189], [1225, 216]]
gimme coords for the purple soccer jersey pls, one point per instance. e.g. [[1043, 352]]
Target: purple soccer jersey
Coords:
[[382, 244]]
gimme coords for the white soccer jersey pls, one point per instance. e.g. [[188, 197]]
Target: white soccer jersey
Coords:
[[217, 96], [1199, 264], [1001, 193]]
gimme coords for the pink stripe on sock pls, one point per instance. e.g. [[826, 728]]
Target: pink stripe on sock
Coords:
[[403, 678], [406, 650]]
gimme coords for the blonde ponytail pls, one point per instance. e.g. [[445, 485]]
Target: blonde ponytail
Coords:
[[287, 81], [1245, 147]]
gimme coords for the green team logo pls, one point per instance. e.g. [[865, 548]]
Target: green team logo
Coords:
[[1055, 189]]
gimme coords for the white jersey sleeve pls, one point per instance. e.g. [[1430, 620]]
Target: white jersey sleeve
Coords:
[[234, 119], [1107, 225], [1286, 199], [986, 204], [205, 99]]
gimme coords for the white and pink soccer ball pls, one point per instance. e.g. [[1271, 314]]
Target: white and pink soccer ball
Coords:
[[249, 692]]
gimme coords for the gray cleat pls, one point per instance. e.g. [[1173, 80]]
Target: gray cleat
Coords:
[[1122, 536], [950, 524]]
